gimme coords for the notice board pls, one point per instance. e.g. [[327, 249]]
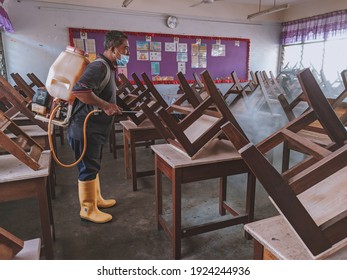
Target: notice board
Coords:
[[162, 56]]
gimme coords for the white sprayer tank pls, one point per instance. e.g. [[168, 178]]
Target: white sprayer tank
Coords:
[[65, 72]]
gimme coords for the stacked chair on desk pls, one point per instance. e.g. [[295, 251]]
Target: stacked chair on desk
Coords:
[[25, 165], [314, 130], [311, 195], [239, 90], [196, 151], [139, 129], [198, 128], [126, 93]]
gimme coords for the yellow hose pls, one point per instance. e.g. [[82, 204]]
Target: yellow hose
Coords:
[[50, 141]]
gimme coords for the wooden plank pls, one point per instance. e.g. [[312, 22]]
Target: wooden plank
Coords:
[[276, 235]]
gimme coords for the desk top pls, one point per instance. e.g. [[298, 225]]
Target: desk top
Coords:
[[129, 125], [280, 239], [216, 151], [12, 169]]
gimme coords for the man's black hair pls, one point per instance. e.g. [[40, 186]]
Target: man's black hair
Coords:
[[114, 38]]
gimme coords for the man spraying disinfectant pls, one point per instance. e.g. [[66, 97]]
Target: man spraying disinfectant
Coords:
[[90, 93]]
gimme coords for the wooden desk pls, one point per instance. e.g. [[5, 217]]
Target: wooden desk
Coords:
[[18, 181], [133, 134], [275, 239], [218, 160]]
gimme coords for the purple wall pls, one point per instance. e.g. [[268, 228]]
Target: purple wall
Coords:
[[236, 57]]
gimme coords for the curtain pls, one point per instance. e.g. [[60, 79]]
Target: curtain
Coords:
[[320, 27], [5, 23]]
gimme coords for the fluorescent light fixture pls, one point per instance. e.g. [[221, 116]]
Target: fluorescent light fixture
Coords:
[[274, 9], [126, 3]]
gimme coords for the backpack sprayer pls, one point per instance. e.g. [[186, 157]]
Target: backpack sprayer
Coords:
[[57, 96]]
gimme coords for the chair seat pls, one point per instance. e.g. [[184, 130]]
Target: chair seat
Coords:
[[199, 127], [316, 137], [327, 199]]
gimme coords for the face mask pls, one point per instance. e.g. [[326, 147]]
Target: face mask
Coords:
[[124, 59]]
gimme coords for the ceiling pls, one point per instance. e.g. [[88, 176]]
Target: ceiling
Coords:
[[226, 10]]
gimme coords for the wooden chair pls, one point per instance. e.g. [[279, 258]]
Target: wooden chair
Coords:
[[182, 107], [35, 81], [150, 96], [311, 195], [126, 93], [22, 86], [198, 87], [22, 104], [239, 90], [201, 125], [125, 85], [22, 145], [268, 100]]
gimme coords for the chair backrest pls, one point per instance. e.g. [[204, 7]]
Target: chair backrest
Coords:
[[317, 237], [125, 85], [188, 93], [325, 113], [22, 86], [19, 144], [309, 194], [35, 80], [19, 102], [201, 125]]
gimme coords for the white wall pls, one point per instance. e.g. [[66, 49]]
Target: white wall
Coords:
[[41, 33]]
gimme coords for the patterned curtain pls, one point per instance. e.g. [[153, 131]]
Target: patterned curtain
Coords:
[[5, 23], [320, 27]]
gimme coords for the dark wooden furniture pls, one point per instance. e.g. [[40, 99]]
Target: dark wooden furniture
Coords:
[[18, 181], [132, 135], [274, 239], [22, 86], [35, 81], [135, 134], [191, 134], [311, 194], [19, 144], [218, 160], [22, 104]]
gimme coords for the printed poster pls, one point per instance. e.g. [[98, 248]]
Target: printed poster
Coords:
[[155, 56], [182, 57], [155, 68], [155, 46], [181, 67], [182, 47], [170, 47], [142, 55], [142, 46], [218, 50]]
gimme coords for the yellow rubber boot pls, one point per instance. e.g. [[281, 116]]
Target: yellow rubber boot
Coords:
[[89, 209], [102, 203]]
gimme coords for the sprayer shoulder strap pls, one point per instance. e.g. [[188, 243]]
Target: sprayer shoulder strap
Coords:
[[107, 76]]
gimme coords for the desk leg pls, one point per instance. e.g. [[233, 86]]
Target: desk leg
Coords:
[[45, 215], [176, 213], [258, 250], [126, 153], [250, 200], [158, 192], [222, 194], [133, 163]]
